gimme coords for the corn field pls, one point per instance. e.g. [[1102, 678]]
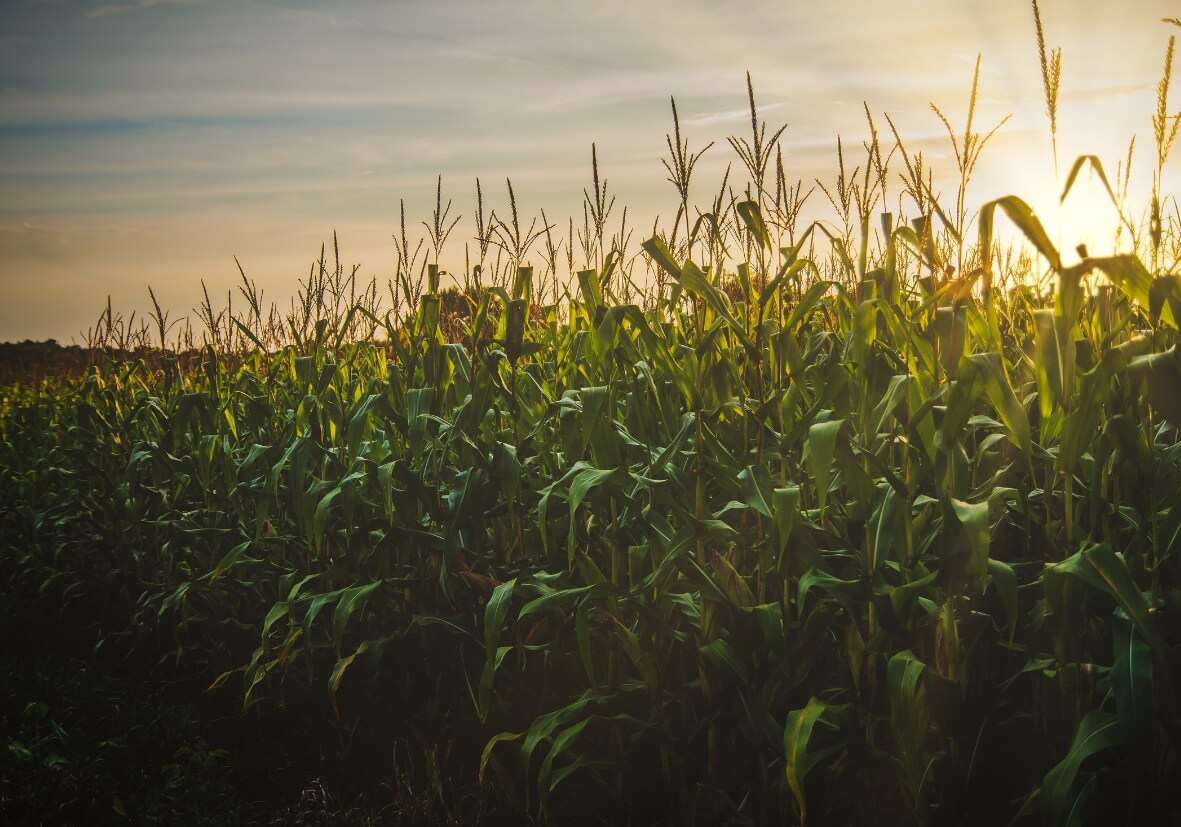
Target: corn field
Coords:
[[818, 527]]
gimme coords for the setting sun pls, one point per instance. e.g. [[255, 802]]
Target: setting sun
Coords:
[[1089, 217]]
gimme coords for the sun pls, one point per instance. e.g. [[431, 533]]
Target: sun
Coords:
[[1087, 215]]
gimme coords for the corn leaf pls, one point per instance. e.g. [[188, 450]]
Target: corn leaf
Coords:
[[752, 217], [1098, 731], [797, 732], [822, 444], [1132, 678], [494, 616], [350, 601], [1022, 216]]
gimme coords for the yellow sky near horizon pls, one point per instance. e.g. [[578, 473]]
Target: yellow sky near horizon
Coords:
[[149, 143]]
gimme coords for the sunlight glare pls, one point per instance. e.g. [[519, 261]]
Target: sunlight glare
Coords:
[[1087, 216]]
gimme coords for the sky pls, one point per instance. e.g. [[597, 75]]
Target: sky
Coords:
[[150, 142]]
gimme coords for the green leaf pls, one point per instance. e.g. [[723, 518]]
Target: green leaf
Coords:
[[320, 521], [788, 272], [553, 600], [1097, 731], [449, 625], [582, 635], [909, 714], [1080, 428], [506, 469], [277, 611], [973, 517], [359, 419], [784, 508], [721, 655], [808, 303], [749, 212], [903, 598], [838, 246], [641, 658], [545, 724], [733, 583], [847, 592], [1129, 274], [584, 482], [350, 601], [695, 281], [1047, 362], [1005, 582], [367, 649], [588, 479], [317, 604], [696, 576], [988, 371], [1101, 568], [494, 615], [236, 555], [256, 451], [1159, 377], [660, 254], [500, 737], [1131, 678], [1097, 168], [797, 732], [894, 395], [336, 677], [822, 443], [756, 483], [1022, 215], [1164, 300], [562, 741], [770, 619], [881, 527]]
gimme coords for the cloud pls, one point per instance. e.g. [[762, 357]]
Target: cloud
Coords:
[[115, 8], [33, 235], [730, 115], [103, 11], [314, 16], [46, 237]]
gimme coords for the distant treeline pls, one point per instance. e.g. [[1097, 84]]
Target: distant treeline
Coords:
[[28, 362]]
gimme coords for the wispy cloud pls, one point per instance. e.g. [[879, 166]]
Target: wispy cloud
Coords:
[[39, 236], [729, 116], [46, 235], [116, 8]]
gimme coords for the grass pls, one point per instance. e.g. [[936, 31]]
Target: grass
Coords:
[[800, 525]]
